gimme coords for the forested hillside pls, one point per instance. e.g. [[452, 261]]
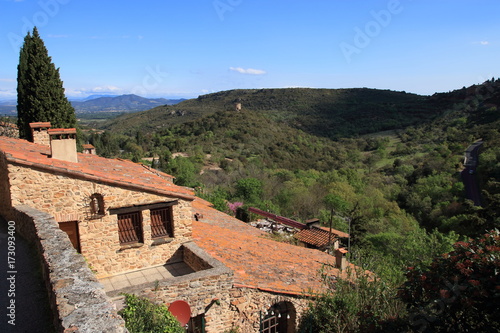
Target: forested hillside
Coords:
[[390, 184], [332, 113], [306, 153]]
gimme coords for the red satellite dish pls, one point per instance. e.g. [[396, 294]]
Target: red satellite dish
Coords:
[[181, 311]]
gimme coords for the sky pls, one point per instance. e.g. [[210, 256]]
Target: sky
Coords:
[[187, 48]]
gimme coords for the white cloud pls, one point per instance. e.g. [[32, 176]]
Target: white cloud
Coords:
[[8, 94], [105, 89], [250, 71], [482, 42], [84, 92], [7, 80]]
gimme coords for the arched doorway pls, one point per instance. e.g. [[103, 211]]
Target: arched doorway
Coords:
[[279, 318]]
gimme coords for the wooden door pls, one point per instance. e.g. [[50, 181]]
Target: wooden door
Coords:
[[71, 228]]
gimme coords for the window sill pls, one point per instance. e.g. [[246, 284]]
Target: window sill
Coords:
[[130, 246], [161, 240]]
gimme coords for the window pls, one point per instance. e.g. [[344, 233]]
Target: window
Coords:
[[130, 228], [162, 222], [196, 324]]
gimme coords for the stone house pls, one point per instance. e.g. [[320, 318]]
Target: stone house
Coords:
[[140, 233], [123, 217]]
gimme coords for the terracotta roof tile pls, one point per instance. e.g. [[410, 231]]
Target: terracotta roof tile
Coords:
[[339, 233], [315, 236], [258, 261], [8, 124], [40, 125], [62, 131], [94, 168]]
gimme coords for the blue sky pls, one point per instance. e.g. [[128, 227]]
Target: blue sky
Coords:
[[185, 48]]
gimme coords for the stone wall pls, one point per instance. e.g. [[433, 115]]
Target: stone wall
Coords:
[[249, 304], [40, 136], [8, 129], [5, 201], [78, 300], [68, 199], [206, 291]]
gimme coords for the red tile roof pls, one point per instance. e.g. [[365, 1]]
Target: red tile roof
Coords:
[[339, 233], [88, 146], [258, 261], [62, 131], [315, 236], [40, 125], [8, 124], [94, 168]]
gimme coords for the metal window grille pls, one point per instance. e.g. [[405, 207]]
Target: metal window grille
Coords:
[[270, 324], [130, 228], [162, 222]]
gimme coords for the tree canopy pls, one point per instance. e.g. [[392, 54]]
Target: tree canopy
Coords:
[[40, 92]]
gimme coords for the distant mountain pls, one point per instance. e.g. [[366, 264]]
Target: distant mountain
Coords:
[[122, 103], [8, 107], [8, 102], [88, 98], [103, 103]]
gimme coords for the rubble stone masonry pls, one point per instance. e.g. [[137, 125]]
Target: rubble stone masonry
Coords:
[[68, 199], [77, 300], [249, 304]]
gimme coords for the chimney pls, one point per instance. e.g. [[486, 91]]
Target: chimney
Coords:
[[39, 133], [340, 258], [63, 144], [89, 149]]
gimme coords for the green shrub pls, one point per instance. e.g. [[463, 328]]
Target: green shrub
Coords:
[[143, 316]]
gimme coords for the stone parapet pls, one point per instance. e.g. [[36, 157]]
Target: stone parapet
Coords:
[[78, 300], [207, 290]]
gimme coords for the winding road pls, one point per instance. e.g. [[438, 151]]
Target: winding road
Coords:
[[469, 173]]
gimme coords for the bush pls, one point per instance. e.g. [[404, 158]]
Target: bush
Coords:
[[143, 316], [354, 304], [459, 291]]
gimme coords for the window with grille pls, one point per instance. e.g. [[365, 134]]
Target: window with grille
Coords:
[[130, 228], [162, 222]]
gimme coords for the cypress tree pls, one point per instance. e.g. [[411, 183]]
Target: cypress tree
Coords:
[[40, 92]]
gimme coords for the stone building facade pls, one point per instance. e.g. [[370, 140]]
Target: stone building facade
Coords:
[[72, 193], [121, 216], [69, 199]]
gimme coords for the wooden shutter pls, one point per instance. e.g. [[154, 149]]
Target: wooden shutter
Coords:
[[161, 222], [130, 228]]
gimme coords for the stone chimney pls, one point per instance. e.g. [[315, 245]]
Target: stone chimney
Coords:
[[340, 258], [39, 133], [89, 149], [63, 144]]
